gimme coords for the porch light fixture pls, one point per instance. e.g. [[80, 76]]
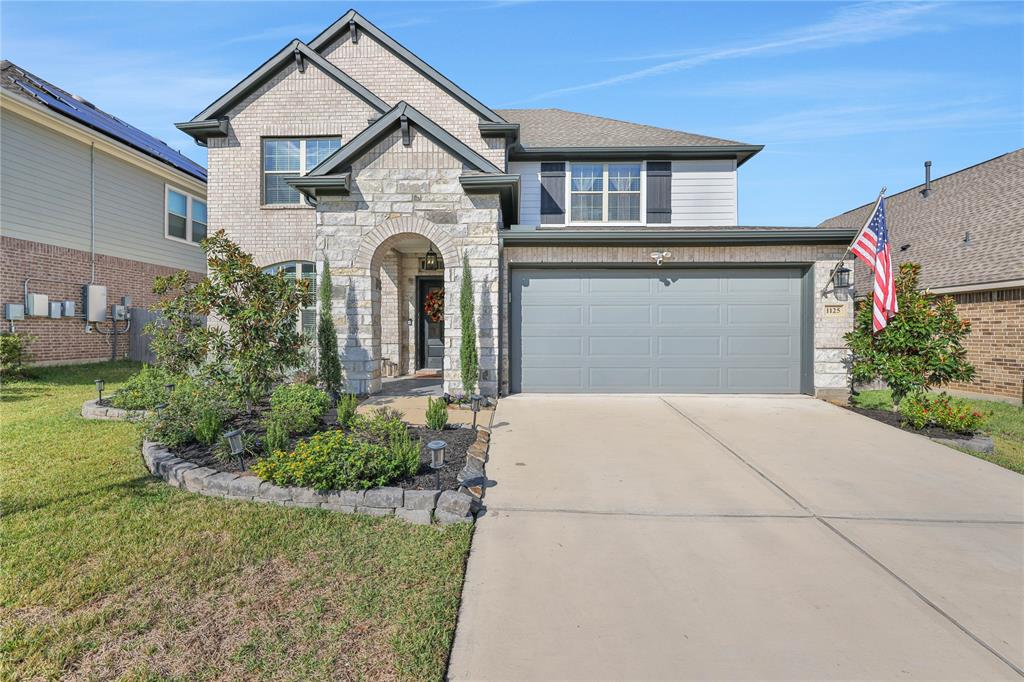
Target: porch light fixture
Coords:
[[474, 403], [841, 277], [99, 389], [235, 445], [430, 260], [436, 448]]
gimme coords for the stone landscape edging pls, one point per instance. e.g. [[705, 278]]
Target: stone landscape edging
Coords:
[[91, 409], [979, 442], [414, 506]]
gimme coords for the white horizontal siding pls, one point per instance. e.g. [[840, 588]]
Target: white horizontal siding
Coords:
[[45, 197], [529, 190], [703, 193]]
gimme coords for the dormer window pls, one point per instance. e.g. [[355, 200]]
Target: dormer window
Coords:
[[604, 192]]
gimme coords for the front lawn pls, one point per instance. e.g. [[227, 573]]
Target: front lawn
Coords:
[[1004, 422], [106, 572]]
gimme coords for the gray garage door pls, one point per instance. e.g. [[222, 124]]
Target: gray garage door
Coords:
[[635, 331]]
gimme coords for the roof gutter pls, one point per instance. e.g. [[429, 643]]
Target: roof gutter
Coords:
[[315, 188], [504, 185], [733, 237], [741, 153], [201, 131]]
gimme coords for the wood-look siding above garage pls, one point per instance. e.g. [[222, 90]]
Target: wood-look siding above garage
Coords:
[[703, 193], [657, 331]]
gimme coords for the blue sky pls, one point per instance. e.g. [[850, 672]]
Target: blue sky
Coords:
[[846, 97]]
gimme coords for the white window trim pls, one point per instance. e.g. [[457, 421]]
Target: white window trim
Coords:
[[314, 284], [301, 203], [189, 198], [604, 194]]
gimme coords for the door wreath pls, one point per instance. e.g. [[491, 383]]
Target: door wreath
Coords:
[[433, 305]]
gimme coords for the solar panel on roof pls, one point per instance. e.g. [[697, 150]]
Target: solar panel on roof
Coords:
[[116, 128]]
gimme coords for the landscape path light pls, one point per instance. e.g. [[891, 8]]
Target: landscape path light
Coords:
[[99, 389], [235, 446], [474, 402], [437, 448]]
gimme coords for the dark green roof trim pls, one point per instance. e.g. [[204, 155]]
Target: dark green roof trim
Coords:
[[506, 186], [201, 131], [342, 159], [352, 17], [270, 67], [741, 153], [726, 237], [510, 131]]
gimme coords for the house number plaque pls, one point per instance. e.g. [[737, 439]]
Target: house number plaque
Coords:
[[833, 311]]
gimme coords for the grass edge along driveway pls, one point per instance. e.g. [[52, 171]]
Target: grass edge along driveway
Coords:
[[106, 572], [1004, 422]]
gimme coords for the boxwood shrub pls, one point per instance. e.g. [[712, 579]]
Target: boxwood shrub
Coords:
[[144, 390], [298, 407]]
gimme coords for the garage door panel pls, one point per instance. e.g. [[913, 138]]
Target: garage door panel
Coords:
[[694, 346], [690, 313], [701, 331]]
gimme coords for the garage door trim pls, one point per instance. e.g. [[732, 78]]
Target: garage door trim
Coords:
[[806, 277]]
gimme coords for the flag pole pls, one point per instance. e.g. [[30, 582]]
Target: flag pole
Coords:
[[850, 245]]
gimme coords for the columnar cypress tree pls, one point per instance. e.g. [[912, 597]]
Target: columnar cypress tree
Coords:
[[327, 339], [467, 352]]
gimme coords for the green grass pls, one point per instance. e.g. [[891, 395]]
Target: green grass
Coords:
[[1004, 422], [106, 572]]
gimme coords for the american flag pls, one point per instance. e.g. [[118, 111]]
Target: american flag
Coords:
[[872, 247]]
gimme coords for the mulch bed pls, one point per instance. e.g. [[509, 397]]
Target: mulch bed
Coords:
[[458, 440], [893, 419]]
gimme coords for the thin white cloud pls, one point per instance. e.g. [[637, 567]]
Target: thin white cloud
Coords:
[[278, 34], [859, 24]]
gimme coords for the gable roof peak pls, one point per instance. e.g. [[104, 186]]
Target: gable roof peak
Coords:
[[343, 24]]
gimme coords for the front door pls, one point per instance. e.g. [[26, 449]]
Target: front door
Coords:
[[431, 324]]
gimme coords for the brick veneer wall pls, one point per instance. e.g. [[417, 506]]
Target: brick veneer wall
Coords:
[[996, 344], [65, 340]]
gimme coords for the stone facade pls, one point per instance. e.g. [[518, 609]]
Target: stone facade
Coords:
[[397, 191], [831, 377]]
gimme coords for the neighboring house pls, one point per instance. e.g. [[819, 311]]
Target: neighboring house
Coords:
[[605, 255], [967, 232], [86, 198]]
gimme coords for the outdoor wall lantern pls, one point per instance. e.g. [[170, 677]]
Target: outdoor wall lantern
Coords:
[[99, 389], [841, 278], [474, 402], [430, 260], [436, 448], [235, 446]]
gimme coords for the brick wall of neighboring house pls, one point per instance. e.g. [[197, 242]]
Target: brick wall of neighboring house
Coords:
[[996, 344], [65, 340]]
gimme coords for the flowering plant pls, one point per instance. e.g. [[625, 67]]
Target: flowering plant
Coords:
[[919, 410]]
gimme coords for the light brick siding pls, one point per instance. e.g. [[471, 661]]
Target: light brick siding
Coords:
[[996, 344], [399, 190], [393, 80], [831, 378], [65, 340], [291, 104]]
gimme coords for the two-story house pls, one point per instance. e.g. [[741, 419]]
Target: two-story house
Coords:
[[86, 199], [605, 255]]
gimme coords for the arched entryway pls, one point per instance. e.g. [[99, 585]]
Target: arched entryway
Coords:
[[405, 306]]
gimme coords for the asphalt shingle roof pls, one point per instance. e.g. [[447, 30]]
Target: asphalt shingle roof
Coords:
[[15, 79], [986, 200], [561, 128]]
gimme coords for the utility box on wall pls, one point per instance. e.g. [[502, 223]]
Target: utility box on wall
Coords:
[[94, 299], [14, 311], [37, 305]]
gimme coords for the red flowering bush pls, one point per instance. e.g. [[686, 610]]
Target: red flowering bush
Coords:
[[919, 410]]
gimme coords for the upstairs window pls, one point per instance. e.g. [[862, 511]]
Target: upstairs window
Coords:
[[184, 217], [604, 192], [293, 270], [290, 158]]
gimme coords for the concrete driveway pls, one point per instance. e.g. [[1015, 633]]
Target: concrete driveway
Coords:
[[645, 537]]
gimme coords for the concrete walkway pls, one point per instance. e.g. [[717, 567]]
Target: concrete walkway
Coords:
[[640, 537]]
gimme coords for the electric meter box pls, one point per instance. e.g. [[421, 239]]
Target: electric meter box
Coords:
[[55, 307], [14, 311], [37, 305], [94, 299], [69, 309], [119, 312]]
